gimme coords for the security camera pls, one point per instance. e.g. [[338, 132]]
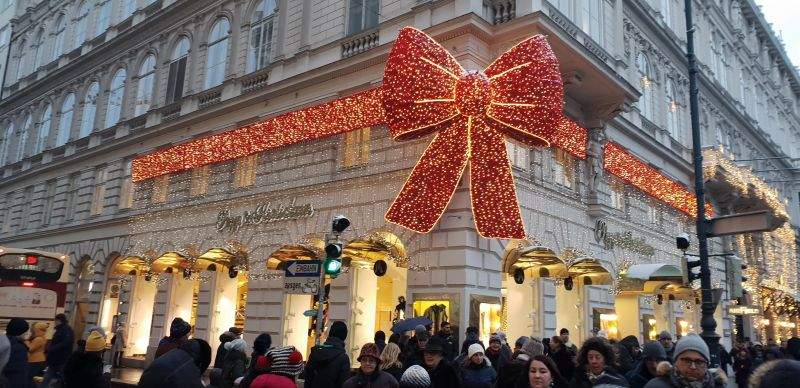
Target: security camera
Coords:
[[682, 241], [232, 273], [379, 268], [569, 283], [519, 275], [340, 223]]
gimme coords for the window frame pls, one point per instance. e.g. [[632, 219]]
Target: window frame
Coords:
[[259, 55], [217, 53], [177, 70], [116, 92], [81, 23], [43, 133], [88, 121], [365, 21], [145, 86]]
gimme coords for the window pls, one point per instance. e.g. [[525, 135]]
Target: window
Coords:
[[590, 18], [564, 6], [199, 182], [25, 133], [363, 15], [115, 95], [49, 198], [672, 110], [356, 148], [177, 70], [160, 189], [104, 15], [22, 61], [564, 168], [38, 58], [128, 7], [653, 214], [44, 130], [59, 37], [99, 195], [126, 189], [666, 12], [25, 214], [217, 53], [262, 24], [72, 196], [722, 139], [618, 197], [518, 154], [646, 86], [89, 110], [7, 213], [144, 91], [5, 146], [65, 122], [81, 23], [245, 173]]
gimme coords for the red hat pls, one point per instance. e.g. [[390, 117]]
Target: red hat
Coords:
[[370, 350]]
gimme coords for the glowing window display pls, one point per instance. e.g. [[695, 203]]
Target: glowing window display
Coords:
[[606, 321]]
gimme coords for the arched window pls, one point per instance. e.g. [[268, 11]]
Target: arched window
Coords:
[[217, 53], [5, 146], [115, 95], [666, 12], [262, 24], [362, 15], [671, 102], [65, 121], [128, 7], [24, 135], [44, 130], [59, 37], [104, 15], [144, 91], [39, 59], [591, 19], [89, 110], [177, 70], [81, 23], [645, 85], [22, 61]]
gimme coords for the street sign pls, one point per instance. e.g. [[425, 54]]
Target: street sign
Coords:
[[302, 277], [310, 313], [758, 221]]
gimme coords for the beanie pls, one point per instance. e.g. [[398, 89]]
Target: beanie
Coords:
[[474, 349], [95, 342], [338, 330], [179, 328], [692, 341], [654, 351], [415, 377], [286, 361], [419, 330], [16, 327], [664, 335], [521, 341], [533, 348], [262, 343]]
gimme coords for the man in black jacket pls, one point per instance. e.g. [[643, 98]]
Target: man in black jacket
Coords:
[[450, 343], [182, 367], [59, 349], [84, 368], [328, 365], [443, 375]]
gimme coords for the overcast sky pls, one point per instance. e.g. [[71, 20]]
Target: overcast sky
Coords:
[[785, 18]]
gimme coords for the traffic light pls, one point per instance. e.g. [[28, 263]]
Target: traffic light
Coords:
[[735, 277], [687, 269], [333, 260]]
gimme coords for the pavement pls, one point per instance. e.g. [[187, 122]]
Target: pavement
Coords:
[[125, 377]]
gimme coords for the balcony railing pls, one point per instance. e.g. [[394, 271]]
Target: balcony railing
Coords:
[[210, 97], [500, 11], [360, 43], [255, 81]]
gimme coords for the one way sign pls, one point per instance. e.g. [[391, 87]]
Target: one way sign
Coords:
[[302, 276]]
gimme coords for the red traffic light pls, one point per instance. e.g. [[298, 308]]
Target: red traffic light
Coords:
[[31, 260]]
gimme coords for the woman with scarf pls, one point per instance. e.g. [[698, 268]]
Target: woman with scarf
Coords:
[[596, 362]]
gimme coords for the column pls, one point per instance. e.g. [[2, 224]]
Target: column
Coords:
[[363, 299], [159, 326], [627, 309], [139, 315], [571, 313], [520, 299], [223, 306]]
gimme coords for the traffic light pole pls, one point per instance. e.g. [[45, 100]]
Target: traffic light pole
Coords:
[[320, 307], [707, 322]]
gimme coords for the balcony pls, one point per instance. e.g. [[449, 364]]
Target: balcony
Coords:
[[500, 11], [360, 43], [255, 81], [210, 97]]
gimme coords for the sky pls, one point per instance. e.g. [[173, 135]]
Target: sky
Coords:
[[785, 18]]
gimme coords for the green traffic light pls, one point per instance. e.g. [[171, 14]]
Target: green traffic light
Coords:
[[333, 267]]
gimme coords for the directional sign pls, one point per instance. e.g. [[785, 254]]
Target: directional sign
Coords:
[[302, 277]]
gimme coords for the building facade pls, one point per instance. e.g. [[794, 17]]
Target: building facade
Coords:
[[92, 85]]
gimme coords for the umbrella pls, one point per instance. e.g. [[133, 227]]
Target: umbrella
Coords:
[[410, 323]]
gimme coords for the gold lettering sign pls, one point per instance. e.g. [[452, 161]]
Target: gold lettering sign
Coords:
[[263, 214]]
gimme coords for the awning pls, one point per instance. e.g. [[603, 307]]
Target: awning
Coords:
[[536, 261], [308, 250], [590, 272], [655, 279], [365, 251]]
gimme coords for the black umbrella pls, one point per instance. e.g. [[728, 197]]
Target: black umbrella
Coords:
[[409, 324]]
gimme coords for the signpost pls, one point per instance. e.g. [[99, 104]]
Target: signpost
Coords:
[[302, 277]]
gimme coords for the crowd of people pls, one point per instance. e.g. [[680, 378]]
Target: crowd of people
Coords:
[[416, 360]]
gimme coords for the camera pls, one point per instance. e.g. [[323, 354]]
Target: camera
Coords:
[[340, 223], [682, 241]]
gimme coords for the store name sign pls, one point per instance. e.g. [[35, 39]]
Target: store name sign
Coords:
[[743, 310], [622, 240], [262, 214]]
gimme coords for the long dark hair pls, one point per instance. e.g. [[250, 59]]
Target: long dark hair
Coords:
[[523, 381]]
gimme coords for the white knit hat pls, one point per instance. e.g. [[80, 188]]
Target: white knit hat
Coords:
[[474, 349], [415, 376]]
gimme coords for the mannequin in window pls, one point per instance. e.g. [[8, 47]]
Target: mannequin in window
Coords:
[[400, 309]]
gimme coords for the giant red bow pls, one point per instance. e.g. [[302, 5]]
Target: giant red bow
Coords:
[[425, 90]]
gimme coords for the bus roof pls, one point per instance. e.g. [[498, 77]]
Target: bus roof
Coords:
[[22, 251]]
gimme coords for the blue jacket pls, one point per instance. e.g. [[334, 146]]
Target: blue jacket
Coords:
[[16, 371], [478, 376], [60, 347]]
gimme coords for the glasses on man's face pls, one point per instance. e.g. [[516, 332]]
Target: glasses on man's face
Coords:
[[698, 363]]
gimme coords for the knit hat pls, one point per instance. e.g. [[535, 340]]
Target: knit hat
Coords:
[[503, 338], [179, 328], [95, 342], [236, 344], [664, 335], [226, 337], [692, 341], [654, 351], [286, 361], [563, 331], [495, 338], [415, 377], [16, 327], [533, 348], [419, 330], [521, 341], [370, 350], [262, 343], [338, 330], [474, 349]]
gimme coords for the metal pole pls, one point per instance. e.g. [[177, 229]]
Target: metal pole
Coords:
[[707, 321], [320, 306]]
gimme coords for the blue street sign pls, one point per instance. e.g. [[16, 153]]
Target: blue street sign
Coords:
[[302, 268]]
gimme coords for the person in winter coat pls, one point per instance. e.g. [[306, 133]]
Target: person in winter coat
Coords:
[[58, 349], [178, 335], [780, 373], [85, 369], [235, 364], [564, 334], [416, 347], [442, 374], [224, 338], [183, 367], [742, 366], [368, 375], [380, 340], [415, 377], [496, 353], [16, 370], [390, 362], [540, 372], [5, 353], [645, 370], [470, 337], [691, 357], [36, 343], [665, 338], [328, 365], [793, 348], [562, 357], [515, 370], [450, 344], [283, 365], [628, 350], [261, 344], [477, 371], [596, 362]]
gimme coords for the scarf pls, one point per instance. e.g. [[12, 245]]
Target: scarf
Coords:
[[593, 377], [679, 381]]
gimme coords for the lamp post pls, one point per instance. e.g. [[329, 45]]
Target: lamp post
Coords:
[[707, 322]]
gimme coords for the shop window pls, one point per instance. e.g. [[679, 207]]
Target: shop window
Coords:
[[49, 197], [245, 173], [356, 148], [437, 311], [362, 15], [160, 189], [564, 168], [199, 181], [99, 195], [683, 327], [518, 154], [607, 321], [649, 330]]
